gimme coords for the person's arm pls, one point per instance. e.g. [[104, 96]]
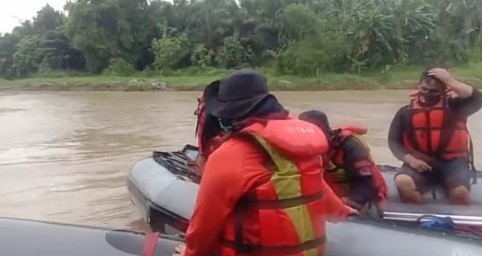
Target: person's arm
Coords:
[[467, 106], [468, 100], [335, 209], [462, 90], [359, 167], [395, 135], [222, 184]]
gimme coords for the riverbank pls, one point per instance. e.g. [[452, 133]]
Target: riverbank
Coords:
[[396, 79]]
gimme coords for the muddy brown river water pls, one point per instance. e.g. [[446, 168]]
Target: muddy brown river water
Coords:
[[65, 156]]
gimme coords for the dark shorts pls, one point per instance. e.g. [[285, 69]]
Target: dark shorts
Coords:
[[447, 174]]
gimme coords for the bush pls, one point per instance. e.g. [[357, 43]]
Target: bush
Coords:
[[119, 67]]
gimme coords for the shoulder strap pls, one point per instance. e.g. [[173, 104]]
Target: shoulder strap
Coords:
[[408, 127], [279, 164], [449, 125], [472, 160]]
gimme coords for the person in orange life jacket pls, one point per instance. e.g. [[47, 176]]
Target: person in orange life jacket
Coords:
[[349, 168], [262, 190], [430, 136], [208, 131]]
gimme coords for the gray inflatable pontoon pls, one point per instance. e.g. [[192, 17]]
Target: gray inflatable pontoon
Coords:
[[164, 188], [35, 238]]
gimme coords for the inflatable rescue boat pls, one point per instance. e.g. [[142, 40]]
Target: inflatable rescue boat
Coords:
[[164, 188]]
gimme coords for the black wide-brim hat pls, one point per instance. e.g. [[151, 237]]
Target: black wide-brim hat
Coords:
[[236, 95]]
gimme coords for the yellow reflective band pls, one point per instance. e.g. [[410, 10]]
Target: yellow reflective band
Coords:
[[287, 181]]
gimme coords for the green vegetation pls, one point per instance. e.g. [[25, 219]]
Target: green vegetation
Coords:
[[300, 44]]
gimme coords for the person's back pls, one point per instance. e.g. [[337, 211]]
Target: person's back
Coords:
[[262, 191], [294, 176], [354, 169], [349, 168]]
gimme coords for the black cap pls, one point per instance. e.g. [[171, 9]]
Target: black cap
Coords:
[[319, 118]]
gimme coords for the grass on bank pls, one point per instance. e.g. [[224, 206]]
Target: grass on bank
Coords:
[[395, 78]]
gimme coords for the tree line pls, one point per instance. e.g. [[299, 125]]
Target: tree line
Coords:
[[293, 37]]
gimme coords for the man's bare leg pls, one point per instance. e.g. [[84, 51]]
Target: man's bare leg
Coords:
[[407, 189], [459, 195]]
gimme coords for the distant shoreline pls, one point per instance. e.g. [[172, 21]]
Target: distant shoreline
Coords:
[[391, 81]]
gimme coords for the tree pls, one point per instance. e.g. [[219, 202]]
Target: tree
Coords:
[[300, 37]]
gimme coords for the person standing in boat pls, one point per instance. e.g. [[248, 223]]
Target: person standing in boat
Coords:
[[262, 190], [349, 169], [430, 136]]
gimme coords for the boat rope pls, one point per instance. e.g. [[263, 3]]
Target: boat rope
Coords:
[[179, 164], [447, 224], [435, 222]]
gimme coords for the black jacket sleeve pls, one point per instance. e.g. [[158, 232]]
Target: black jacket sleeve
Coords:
[[358, 165], [468, 106], [395, 134]]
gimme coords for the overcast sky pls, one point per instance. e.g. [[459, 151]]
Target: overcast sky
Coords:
[[12, 11]]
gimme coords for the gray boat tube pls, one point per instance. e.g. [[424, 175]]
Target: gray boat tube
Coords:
[[161, 196], [35, 238], [356, 237]]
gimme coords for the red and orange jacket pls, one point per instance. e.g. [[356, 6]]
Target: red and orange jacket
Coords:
[[262, 191]]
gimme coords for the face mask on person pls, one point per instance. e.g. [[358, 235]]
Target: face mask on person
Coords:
[[431, 91], [430, 98]]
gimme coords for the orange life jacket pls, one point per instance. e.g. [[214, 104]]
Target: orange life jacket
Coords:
[[336, 175], [288, 210], [334, 162], [436, 131]]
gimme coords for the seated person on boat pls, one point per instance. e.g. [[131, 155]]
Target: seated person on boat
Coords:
[[349, 169], [430, 136], [262, 189]]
